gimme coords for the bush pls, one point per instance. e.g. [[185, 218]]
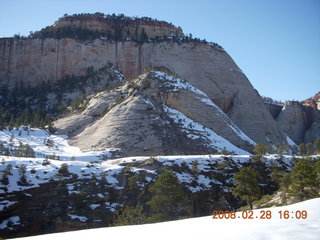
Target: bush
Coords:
[[24, 150], [46, 162], [64, 171], [129, 216]]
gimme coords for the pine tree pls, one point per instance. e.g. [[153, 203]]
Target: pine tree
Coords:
[[304, 179], [246, 185], [302, 149], [168, 197], [261, 149], [277, 175]]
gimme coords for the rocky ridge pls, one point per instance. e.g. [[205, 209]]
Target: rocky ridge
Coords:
[[119, 26]]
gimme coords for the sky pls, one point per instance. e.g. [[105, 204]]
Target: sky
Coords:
[[276, 43]]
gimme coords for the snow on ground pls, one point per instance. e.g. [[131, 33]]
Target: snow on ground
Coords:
[[81, 218], [45, 144], [196, 131], [39, 171], [10, 222], [208, 228]]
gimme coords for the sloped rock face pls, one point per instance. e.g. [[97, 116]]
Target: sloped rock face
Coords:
[[205, 66], [293, 120], [138, 121], [274, 109], [313, 133], [300, 120]]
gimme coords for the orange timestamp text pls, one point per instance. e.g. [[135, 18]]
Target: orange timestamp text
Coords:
[[263, 214]]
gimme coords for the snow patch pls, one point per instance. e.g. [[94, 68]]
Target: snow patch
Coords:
[[80, 218], [10, 223], [194, 130]]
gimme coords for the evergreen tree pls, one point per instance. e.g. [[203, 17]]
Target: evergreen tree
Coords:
[[316, 145], [277, 175], [11, 123], [168, 197], [64, 170], [261, 149], [309, 149], [304, 179], [23, 179], [302, 149], [24, 150], [195, 168], [246, 185], [317, 170], [133, 182], [129, 216]]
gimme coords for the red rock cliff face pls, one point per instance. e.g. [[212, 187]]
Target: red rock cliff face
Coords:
[[204, 66]]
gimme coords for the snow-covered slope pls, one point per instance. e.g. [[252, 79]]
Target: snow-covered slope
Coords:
[[208, 228], [39, 171], [45, 144]]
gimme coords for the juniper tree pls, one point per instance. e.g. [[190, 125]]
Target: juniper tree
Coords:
[[246, 185]]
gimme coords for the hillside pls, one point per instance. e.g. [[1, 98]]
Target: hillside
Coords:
[[62, 182], [206, 227]]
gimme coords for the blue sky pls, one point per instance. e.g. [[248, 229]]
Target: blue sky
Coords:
[[276, 43]]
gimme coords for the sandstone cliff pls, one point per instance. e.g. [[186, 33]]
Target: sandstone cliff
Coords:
[[293, 120], [299, 120], [119, 26], [205, 66]]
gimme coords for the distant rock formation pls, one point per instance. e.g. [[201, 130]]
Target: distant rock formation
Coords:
[[293, 120], [299, 120]]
